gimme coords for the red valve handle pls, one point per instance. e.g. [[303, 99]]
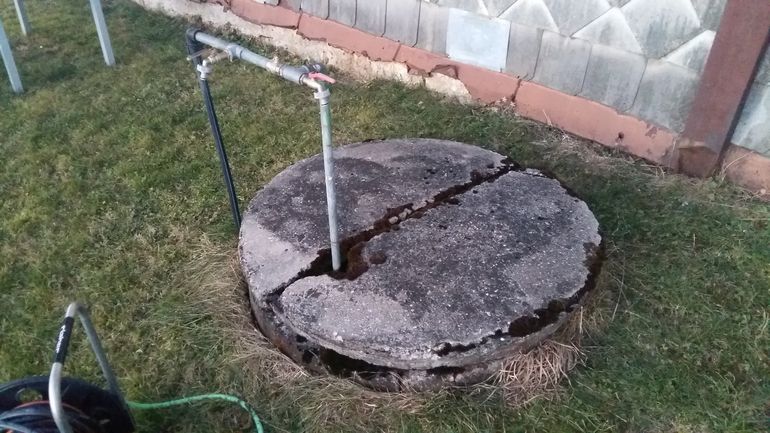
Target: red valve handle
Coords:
[[318, 76]]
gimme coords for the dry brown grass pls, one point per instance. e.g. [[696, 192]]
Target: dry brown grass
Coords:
[[329, 401], [326, 401], [539, 373]]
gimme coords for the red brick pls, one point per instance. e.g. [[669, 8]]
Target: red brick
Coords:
[[483, 84], [748, 168], [426, 62], [260, 13], [341, 36], [596, 122], [488, 86]]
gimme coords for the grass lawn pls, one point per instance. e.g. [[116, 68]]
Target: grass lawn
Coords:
[[110, 194]]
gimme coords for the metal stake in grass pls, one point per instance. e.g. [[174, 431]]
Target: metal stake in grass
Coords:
[[21, 12], [10, 65], [99, 22]]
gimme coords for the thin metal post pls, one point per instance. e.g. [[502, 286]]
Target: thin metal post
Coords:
[[101, 30], [10, 64], [328, 154], [22, 14]]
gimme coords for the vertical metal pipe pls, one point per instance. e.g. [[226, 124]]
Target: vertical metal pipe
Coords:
[[328, 154], [193, 50], [22, 14], [232, 196], [101, 30], [10, 64]]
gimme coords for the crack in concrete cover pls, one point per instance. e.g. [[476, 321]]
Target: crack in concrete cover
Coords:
[[351, 246], [284, 226]]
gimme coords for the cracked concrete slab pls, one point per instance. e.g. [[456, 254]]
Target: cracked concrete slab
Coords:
[[285, 225], [455, 277], [456, 258]]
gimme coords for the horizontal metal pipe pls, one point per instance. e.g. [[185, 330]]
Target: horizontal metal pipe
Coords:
[[290, 73]]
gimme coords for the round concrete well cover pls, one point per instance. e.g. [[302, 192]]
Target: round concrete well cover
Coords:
[[456, 258]]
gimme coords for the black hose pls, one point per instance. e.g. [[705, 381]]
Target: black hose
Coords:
[[36, 418], [221, 152], [194, 47]]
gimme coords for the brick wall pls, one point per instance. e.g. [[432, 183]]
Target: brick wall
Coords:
[[641, 57], [671, 81]]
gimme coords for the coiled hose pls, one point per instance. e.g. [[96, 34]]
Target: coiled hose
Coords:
[[35, 417]]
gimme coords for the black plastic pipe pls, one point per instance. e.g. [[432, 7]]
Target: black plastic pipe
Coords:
[[193, 49]]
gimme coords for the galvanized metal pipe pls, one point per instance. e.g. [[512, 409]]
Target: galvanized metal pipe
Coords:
[[21, 12], [328, 155], [302, 76], [10, 64], [290, 73]]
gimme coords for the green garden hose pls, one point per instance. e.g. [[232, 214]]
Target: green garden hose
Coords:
[[198, 398]]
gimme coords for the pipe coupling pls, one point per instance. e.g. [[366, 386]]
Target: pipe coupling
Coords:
[[274, 66], [232, 51], [322, 93]]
